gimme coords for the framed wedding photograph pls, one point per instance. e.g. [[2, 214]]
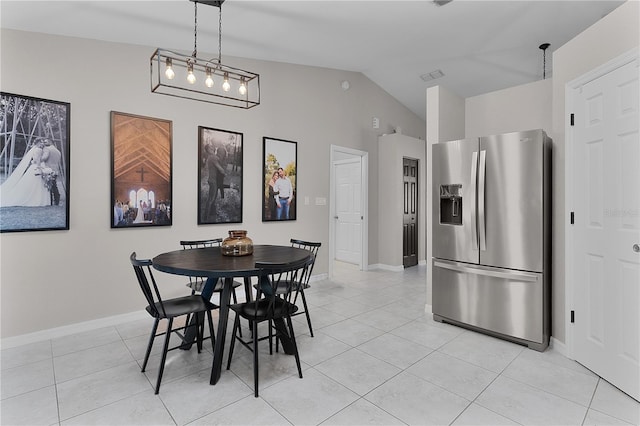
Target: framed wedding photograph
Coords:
[[279, 179], [34, 163], [219, 176], [141, 171]]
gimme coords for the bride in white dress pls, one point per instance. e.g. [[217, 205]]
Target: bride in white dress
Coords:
[[25, 186], [140, 215]]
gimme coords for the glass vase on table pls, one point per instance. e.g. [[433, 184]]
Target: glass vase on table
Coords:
[[237, 244]]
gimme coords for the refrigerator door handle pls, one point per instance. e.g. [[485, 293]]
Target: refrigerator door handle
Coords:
[[481, 188], [472, 185], [511, 275]]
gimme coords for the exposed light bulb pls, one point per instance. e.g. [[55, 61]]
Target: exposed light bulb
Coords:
[[190, 77], [169, 70], [209, 80], [225, 85], [243, 87]]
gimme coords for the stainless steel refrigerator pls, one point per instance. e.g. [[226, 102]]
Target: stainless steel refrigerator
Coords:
[[491, 235]]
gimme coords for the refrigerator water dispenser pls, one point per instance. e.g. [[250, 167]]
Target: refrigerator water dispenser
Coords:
[[451, 204]]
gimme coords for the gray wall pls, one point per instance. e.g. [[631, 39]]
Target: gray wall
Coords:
[[56, 278], [392, 149], [523, 107]]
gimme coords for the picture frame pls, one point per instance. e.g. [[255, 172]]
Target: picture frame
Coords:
[[141, 171], [34, 163], [220, 170], [279, 156]]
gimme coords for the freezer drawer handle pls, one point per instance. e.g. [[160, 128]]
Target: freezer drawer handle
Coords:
[[506, 275]]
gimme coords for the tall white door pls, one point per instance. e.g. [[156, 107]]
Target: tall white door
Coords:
[[348, 212], [606, 260]]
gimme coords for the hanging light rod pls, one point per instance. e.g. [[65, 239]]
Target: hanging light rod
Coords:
[[544, 47], [190, 77]]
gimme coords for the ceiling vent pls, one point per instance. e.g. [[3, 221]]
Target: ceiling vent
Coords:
[[432, 75]]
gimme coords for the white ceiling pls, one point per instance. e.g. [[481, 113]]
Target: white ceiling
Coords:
[[480, 46]]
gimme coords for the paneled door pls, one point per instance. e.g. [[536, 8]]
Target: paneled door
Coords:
[[410, 212], [606, 243], [348, 213]]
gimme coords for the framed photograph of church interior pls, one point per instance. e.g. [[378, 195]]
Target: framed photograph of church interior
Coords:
[[279, 179], [34, 163], [141, 171], [219, 176]]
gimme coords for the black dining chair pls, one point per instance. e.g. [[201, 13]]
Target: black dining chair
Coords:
[[170, 309], [274, 309], [284, 287], [196, 284]]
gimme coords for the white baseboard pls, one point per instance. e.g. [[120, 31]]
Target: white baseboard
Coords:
[[384, 267], [422, 262], [428, 309], [53, 333], [558, 346], [319, 277]]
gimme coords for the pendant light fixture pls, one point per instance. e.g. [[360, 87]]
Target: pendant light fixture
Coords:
[[190, 77]]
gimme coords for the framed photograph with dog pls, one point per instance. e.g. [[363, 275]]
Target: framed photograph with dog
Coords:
[[219, 176], [279, 179], [141, 171], [34, 163]]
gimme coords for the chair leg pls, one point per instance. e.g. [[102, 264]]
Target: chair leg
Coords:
[[199, 330], [271, 338], [255, 357], [235, 301], [164, 354], [306, 311], [150, 345], [236, 324], [212, 333], [295, 346]]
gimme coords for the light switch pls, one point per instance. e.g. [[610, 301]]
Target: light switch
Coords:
[[306, 201], [321, 201]]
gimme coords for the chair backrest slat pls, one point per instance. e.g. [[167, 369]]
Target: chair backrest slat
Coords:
[[191, 244], [273, 276], [313, 247], [153, 296], [195, 244]]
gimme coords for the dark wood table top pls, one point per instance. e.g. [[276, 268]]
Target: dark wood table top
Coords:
[[209, 261]]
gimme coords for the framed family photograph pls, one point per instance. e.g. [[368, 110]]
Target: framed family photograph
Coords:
[[219, 176], [141, 171], [279, 179], [34, 163]]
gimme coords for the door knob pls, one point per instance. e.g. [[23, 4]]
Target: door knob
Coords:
[[335, 217], [636, 248]]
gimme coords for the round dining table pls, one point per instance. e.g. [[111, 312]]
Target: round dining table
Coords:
[[209, 262]]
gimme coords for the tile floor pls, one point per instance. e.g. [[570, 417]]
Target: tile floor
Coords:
[[376, 359]]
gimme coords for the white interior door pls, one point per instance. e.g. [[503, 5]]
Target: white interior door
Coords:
[[348, 210], [606, 253]]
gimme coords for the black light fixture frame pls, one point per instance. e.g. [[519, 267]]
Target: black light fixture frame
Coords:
[[214, 68]]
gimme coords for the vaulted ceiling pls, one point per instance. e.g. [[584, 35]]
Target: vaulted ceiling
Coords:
[[479, 46]]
